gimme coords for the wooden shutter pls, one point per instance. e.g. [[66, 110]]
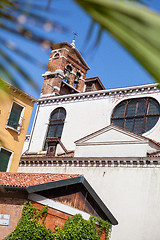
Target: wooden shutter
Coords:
[[15, 116], [4, 159]]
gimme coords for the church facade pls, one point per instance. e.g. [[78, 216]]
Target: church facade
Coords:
[[111, 136]]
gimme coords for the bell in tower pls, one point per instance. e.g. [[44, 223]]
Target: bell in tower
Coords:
[[66, 71]]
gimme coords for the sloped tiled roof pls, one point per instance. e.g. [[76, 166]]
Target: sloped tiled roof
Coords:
[[36, 182], [154, 154], [31, 179]]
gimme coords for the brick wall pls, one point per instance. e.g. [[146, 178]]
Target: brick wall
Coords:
[[12, 207], [60, 62], [57, 218]]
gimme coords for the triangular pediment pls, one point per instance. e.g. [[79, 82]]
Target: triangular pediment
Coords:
[[111, 134]]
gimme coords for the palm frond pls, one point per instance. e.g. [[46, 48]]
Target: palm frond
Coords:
[[135, 27], [20, 18], [5, 43]]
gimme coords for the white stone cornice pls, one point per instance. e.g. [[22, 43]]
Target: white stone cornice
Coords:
[[134, 91], [138, 162], [58, 71], [111, 143]]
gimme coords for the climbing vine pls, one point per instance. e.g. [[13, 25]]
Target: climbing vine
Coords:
[[31, 227], [77, 228]]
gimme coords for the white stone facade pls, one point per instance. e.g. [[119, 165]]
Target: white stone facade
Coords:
[[86, 113], [114, 162], [131, 193]]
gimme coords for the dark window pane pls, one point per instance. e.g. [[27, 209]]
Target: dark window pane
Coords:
[[14, 116], [4, 159], [59, 131], [141, 108], [51, 131], [61, 115], [129, 124], [138, 127], [153, 108], [58, 114], [54, 116], [131, 108], [56, 124], [118, 122], [119, 111], [150, 122]]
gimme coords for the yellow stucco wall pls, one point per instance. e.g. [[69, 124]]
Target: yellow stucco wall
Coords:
[[9, 138]]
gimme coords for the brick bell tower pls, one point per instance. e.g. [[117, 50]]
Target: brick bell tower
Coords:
[[66, 71]]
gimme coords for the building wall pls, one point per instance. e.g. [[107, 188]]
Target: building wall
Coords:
[[85, 114], [56, 218], [131, 193], [11, 139], [12, 207]]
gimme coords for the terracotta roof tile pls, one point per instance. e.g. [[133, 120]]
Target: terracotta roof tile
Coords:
[[154, 154], [31, 179]]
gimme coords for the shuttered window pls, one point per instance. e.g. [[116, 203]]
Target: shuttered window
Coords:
[[4, 159], [14, 117]]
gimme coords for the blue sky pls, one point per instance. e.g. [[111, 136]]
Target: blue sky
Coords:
[[109, 61]]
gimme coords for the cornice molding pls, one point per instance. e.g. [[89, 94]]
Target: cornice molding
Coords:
[[111, 143], [116, 92], [59, 50], [133, 162], [21, 92], [56, 73]]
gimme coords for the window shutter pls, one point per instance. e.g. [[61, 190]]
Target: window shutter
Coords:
[[4, 159], [15, 116]]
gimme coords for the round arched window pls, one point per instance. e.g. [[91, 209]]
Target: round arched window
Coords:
[[56, 122], [137, 115], [55, 128]]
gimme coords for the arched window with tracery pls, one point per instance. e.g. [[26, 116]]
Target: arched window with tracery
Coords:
[[137, 115], [55, 127]]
